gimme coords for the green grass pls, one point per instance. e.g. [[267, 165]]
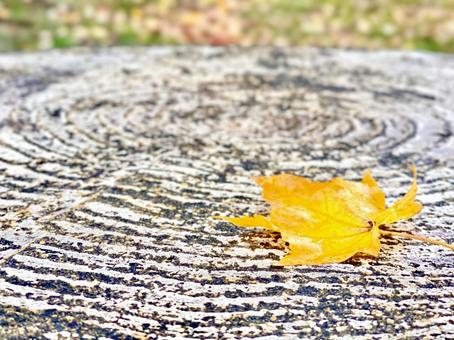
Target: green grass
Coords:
[[409, 24]]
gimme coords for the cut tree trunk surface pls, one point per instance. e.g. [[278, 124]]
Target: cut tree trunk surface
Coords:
[[113, 162]]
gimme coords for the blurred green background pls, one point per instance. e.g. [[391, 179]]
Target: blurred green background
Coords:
[[372, 24]]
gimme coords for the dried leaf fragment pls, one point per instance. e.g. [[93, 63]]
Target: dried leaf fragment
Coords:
[[328, 222]]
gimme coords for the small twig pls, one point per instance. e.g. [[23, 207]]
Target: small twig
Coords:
[[5, 259], [417, 237]]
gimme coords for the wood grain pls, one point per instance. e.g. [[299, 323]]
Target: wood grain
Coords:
[[113, 161]]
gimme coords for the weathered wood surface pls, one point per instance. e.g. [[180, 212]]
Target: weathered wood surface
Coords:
[[112, 162]]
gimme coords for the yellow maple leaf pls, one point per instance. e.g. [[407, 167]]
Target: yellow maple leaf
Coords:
[[327, 222]]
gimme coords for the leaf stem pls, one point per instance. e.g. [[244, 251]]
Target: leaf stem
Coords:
[[417, 237]]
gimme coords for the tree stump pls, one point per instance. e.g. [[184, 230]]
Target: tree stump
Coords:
[[113, 162]]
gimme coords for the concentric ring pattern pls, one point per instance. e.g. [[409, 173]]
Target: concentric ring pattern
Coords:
[[113, 161]]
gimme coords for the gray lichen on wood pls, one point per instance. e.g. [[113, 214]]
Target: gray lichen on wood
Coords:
[[113, 161]]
